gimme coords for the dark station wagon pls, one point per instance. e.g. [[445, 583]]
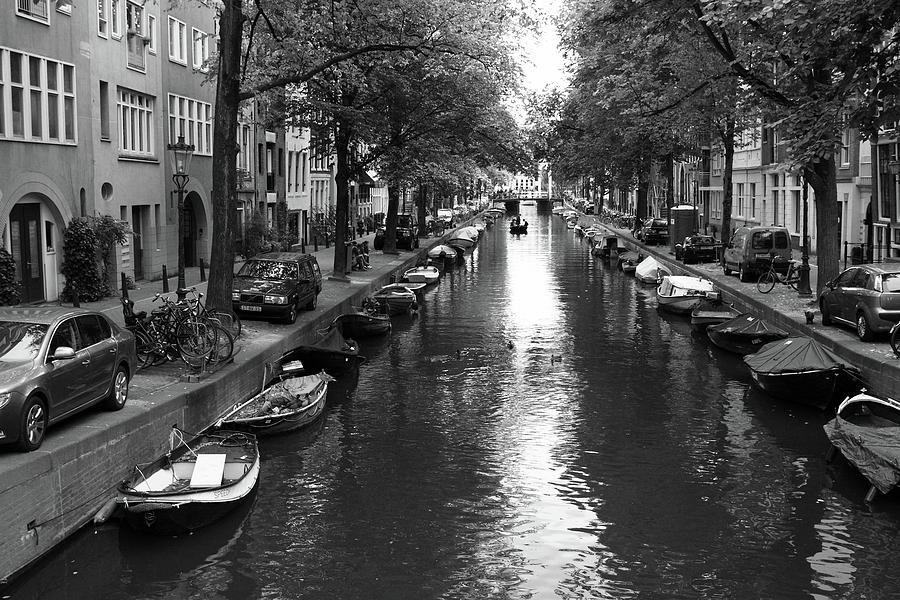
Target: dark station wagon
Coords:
[[697, 249], [275, 285], [655, 231]]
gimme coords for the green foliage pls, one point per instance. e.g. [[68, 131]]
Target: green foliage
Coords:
[[88, 247], [80, 265], [10, 288]]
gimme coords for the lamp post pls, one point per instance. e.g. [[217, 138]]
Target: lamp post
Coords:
[[180, 156], [803, 289]]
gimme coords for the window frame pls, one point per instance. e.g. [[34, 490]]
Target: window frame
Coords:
[[144, 118], [103, 19], [181, 27], [203, 40], [137, 32], [115, 19], [152, 27], [30, 14], [193, 119]]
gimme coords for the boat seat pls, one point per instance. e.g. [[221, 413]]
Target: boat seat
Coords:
[[208, 471]]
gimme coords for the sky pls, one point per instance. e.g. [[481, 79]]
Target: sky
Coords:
[[546, 64]]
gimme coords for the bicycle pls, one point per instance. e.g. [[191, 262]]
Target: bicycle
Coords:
[[772, 275], [895, 339], [227, 319]]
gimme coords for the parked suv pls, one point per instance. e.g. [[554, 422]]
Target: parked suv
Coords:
[[751, 248], [276, 285], [655, 231], [407, 233], [866, 297]]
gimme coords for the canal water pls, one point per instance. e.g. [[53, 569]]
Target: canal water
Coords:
[[539, 430]]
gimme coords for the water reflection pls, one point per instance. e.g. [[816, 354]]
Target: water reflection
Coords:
[[538, 430]]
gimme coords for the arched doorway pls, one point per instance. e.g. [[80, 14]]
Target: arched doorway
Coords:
[[195, 227]]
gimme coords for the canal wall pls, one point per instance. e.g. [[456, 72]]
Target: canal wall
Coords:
[[880, 369], [48, 494]]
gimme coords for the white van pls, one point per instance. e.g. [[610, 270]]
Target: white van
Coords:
[[751, 248]]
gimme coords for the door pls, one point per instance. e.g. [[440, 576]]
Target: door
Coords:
[[68, 382], [95, 336], [137, 242], [841, 294], [25, 243]]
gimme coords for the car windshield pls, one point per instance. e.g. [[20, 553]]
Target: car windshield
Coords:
[[268, 269], [20, 342], [762, 240], [890, 283], [659, 223]]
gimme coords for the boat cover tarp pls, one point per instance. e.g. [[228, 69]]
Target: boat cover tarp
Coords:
[[650, 269], [794, 355], [875, 451], [749, 326], [333, 341]]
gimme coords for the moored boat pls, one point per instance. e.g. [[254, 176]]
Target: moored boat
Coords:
[[197, 482], [396, 298], [799, 369], [628, 262], [711, 311], [651, 270], [331, 353], [464, 237], [443, 251], [681, 293], [426, 275], [744, 334], [865, 430], [362, 324], [287, 402]]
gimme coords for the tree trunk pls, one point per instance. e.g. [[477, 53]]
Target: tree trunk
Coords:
[[727, 194], [822, 177], [224, 169], [421, 216], [642, 208], [390, 221], [342, 208]]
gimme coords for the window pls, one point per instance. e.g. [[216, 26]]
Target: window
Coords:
[[115, 17], [200, 49], [136, 40], [135, 124], [845, 148], [193, 120], [64, 6], [104, 111], [37, 98], [33, 9], [177, 41], [48, 235], [103, 18], [753, 200], [151, 34], [795, 194]]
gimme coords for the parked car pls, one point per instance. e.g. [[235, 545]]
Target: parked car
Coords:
[[275, 285], [445, 215], [655, 231], [697, 248], [750, 250], [866, 297], [56, 362]]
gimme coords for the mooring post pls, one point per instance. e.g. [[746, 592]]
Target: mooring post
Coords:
[[165, 280], [124, 286], [202, 270]]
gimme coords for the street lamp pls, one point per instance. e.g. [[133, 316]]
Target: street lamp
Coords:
[[180, 156], [803, 289]]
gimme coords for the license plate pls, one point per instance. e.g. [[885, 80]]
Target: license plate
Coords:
[[252, 308]]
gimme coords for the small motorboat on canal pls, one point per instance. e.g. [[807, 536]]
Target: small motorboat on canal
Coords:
[[628, 262], [517, 226], [397, 298], [443, 251], [608, 248], [366, 323], [679, 294], [426, 275], [464, 237], [799, 369], [866, 430], [711, 311], [332, 353], [744, 334], [197, 482], [650, 270], [287, 402]]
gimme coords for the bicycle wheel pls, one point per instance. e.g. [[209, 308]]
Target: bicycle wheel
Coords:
[[224, 348], [145, 349], [195, 338], [895, 340], [766, 282], [228, 320]]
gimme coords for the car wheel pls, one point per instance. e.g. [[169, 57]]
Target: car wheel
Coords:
[[826, 314], [726, 270], [291, 317], [118, 395], [417, 243], [312, 303], [743, 274], [33, 425], [863, 331]]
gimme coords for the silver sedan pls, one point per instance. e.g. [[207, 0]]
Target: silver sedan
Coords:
[[55, 362]]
